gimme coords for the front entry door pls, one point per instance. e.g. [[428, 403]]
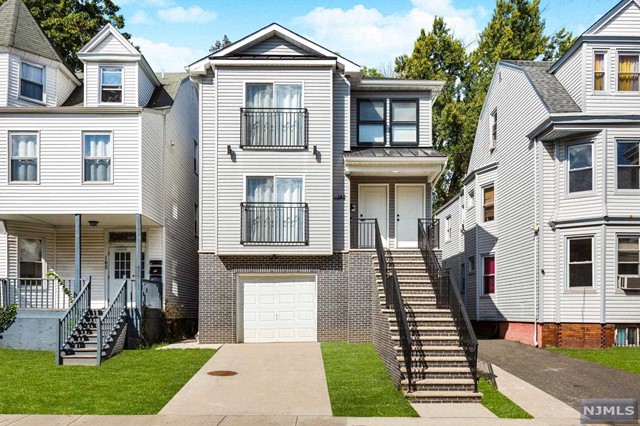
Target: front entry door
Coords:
[[373, 204], [122, 265], [409, 208]]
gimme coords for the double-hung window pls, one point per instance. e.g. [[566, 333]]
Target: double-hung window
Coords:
[[580, 262], [629, 256], [31, 263], [32, 82], [404, 122], [599, 73], [274, 116], [371, 122], [97, 157], [628, 73], [274, 212], [489, 274], [24, 157], [111, 84], [580, 167], [488, 206], [628, 164]]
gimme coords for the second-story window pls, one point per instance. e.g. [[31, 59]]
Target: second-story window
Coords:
[[97, 157], [371, 122], [404, 122], [493, 128], [447, 229], [488, 204], [580, 167], [111, 84], [628, 162], [599, 72], [24, 157], [32, 82], [196, 157], [628, 73]]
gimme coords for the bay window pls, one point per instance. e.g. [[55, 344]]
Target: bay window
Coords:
[[628, 256], [489, 275], [24, 153], [97, 157], [628, 73], [599, 73], [488, 206], [628, 164], [580, 167], [580, 262], [32, 81]]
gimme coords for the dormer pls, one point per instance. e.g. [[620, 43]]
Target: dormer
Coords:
[[601, 70], [32, 72], [115, 73]]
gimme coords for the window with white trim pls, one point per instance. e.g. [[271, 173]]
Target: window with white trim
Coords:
[[580, 163], [628, 259], [31, 257], [447, 229], [488, 204], [488, 274], [472, 264], [111, 84], [24, 154], [628, 164], [580, 262], [32, 81], [628, 72], [97, 155], [599, 72], [493, 126]]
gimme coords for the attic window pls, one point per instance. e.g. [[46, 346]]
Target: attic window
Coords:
[[32, 82], [111, 84]]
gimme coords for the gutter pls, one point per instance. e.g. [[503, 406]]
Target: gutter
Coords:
[[71, 110]]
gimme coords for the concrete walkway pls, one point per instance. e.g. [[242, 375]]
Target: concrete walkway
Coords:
[[272, 379], [565, 378]]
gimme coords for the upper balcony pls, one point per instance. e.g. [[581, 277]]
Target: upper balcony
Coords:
[[274, 128]]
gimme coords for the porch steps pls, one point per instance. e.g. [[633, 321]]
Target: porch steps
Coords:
[[82, 347], [439, 367]]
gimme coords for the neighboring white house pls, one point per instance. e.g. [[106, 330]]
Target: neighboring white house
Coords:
[[87, 157], [298, 149], [545, 234]]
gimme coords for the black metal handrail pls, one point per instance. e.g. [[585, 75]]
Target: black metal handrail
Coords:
[[448, 295], [110, 320], [68, 324], [34, 293], [274, 223], [394, 300], [280, 128], [433, 232], [363, 233]]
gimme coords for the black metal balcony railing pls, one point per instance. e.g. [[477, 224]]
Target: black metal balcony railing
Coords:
[[274, 223], [282, 128]]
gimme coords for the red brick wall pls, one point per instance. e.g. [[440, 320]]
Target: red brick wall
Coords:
[[561, 335], [517, 331]]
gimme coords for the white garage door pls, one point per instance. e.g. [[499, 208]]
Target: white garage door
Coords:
[[279, 309]]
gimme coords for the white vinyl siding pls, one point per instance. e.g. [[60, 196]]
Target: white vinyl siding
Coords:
[[153, 166], [317, 82], [624, 24], [208, 166], [4, 79], [110, 46], [145, 87], [572, 74], [341, 143], [14, 99], [274, 46]]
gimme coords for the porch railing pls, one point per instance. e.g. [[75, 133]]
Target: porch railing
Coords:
[[394, 300], [280, 128], [152, 294], [68, 324], [448, 295], [433, 232], [35, 293], [274, 223], [108, 323], [363, 233]]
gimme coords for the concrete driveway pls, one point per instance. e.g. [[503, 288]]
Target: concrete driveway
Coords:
[[271, 379]]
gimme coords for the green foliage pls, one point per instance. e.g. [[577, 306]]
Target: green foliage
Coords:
[[516, 32], [622, 358], [134, 382], [70, 24], [358, 383], [61, 283], [7, 317], [499, 404], [171, 316], [220, 44], [371, 72]]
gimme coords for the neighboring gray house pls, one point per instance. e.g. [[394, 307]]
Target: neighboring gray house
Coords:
[[545, 234], [82, 161]]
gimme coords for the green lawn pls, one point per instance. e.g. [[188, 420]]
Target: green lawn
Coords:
[[627, 359], [359, 385], [134, 382], [499, 404]]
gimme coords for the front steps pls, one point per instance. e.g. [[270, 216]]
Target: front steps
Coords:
[[81, 348], [440, 370]]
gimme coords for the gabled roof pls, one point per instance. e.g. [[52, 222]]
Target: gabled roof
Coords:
[[552, 93], [234, 50], [106, 31], [19, 29]]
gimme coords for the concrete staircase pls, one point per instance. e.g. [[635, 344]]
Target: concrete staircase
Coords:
[[440, 369], [81, 348]]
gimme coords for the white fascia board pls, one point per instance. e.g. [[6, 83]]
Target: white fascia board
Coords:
[[102, 34], [273, 62], [395, 84], [43, 61], [104, 57]]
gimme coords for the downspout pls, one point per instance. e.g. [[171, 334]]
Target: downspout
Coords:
[[536, 230]]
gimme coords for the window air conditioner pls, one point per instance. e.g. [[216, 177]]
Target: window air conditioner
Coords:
[[629, 283]]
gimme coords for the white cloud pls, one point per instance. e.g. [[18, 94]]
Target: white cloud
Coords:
[[139, 18], [165, 57], [368, 37], [192, 15]]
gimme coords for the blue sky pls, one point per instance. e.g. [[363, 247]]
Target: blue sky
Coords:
[[174, 33]]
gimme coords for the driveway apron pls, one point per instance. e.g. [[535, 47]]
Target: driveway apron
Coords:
[[271, 379], [568, 379]]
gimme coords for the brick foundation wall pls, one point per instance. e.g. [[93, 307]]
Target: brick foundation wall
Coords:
[[344, 289]]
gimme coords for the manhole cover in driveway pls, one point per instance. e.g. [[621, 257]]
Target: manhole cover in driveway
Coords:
[[222, 373]]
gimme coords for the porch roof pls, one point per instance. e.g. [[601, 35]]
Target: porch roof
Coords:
[[384, 152], [395, 162]]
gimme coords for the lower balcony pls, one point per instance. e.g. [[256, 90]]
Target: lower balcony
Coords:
[[274, 224]]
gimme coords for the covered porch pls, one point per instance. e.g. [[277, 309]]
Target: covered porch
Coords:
[[392, 186]]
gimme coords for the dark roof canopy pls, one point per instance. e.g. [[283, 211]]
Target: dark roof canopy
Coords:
[[385, 152]]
